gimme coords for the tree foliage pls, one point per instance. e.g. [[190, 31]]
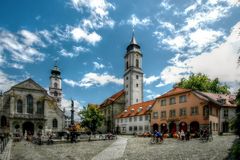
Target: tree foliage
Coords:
[[236, 121], [201, 82], [91, 117], [235, 124]]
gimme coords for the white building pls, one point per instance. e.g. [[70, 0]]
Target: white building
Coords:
[[28, 108], [135, 119]]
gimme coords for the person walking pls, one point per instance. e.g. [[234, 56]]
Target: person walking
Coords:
[[182, 134]]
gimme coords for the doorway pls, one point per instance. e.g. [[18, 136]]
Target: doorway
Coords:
[[28, 128]]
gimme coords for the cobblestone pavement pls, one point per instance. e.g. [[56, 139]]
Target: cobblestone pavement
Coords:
[[171, 149], [77, 151], [114, 151], [136, 149]]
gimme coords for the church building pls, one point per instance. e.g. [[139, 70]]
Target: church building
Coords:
[[132, 92], [27, 108]]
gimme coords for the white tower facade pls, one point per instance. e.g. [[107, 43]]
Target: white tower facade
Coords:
[[133, 75], [55, 87]]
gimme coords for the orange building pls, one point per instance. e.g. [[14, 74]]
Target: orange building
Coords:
[[189, 110]]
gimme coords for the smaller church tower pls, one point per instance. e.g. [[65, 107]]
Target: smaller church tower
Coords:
[[133, 75], [55, 87]]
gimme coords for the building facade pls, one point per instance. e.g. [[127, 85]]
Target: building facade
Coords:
[[132, 92], [188, 110], [135, 119], [110, 108], [27, 108]]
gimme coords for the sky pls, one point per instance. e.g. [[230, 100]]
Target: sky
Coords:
[[88, 40]]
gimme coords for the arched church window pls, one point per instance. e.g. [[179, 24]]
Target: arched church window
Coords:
[[55, 94], [40, 107], [19, 106], [127, 65], [3, 121], [137, 63], [29, 104], [55, 85], [55, 123]]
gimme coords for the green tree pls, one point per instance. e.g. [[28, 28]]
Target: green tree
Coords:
[[201, 82], [236, 121], [91, 117]]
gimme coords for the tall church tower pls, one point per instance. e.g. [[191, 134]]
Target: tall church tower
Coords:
[[133, 75], [55, 87]]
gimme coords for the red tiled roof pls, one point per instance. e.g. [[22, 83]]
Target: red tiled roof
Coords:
[[112, 99], [174, 91], [134, 110], [219, 99]]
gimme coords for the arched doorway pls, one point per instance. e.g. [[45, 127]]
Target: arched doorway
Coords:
[[194, 127], [3, 121], [163, 127], [183, 126], [28, 128], [155, 126], [172, 127]]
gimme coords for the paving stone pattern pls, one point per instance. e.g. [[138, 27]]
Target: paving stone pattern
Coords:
[[171, 149], [136, 149]]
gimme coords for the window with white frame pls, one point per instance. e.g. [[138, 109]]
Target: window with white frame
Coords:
[[163, 102], [140, 118], [172, 100], [182, 112], [155, 115], [194, 110], [182, 98], [135, 119]]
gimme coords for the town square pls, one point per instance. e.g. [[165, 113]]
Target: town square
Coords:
[[120, 80]]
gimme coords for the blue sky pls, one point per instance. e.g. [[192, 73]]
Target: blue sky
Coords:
[[88, 38]]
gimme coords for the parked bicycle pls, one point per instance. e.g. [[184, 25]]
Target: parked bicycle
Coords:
[[205, 136], [155, 140]]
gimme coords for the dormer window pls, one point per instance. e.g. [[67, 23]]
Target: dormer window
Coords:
[[132, 110], [139, 109]]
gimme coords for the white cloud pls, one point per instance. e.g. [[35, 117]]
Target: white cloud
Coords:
[[165, 4], [98, 65], [148, 91], [152, 96], [5, 82], [94, 79], [202, 38], [96, 7], [47, 36], [167, 25], [150, 80], [65, 53], [21, 51], [79, 34], [80, 49], [220, 62], [16, 65], [99, 13], [135, 21], [175, 43], [30, 38], [191, 8], [77, 50]]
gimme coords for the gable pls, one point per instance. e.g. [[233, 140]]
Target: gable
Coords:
[[29, 84]]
